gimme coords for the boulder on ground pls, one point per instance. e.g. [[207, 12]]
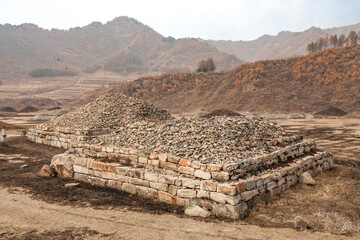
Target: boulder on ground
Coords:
[[46, 171], [196, 211], [63, 165], [300, 223], [306, 178]]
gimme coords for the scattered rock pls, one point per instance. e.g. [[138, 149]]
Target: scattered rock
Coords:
[[46, 171], [196, 211], [24, 166], [306, 178], [69, 185], [300, 223]]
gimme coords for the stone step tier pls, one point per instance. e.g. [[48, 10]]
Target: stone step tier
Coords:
[[226, 190]]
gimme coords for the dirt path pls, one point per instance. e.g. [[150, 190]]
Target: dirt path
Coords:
[[24, 215]]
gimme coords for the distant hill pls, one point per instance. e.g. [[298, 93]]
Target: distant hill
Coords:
[[284, 45], [123, 45], [310, 83]]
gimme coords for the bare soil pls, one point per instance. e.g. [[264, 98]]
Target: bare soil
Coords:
[[33, 207]]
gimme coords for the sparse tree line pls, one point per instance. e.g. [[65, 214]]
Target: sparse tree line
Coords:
[[207, 65], [333, 41]]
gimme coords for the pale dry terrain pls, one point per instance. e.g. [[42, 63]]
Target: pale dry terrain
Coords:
[[42, 208]]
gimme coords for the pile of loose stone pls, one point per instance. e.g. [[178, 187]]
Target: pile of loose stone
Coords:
[[109, 110], [138, 125], [214, 140]]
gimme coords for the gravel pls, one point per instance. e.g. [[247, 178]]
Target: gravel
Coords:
[[213, 140]]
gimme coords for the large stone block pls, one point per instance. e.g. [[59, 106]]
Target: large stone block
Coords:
[[226, 188], [169, 165], [229, 211], [240, 186], [208, 185], [186, 193], [220, 176], [63, 165], [246, 196], [159, 186], [186, 170], [166, 197], [147, 192], [130, 188], [80, 169], [218, 197], [233, 200], [190, 183], [153, 177], [202, 174]]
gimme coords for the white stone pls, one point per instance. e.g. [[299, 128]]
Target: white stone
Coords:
[[196, 211], [306, 178], [202, 174]]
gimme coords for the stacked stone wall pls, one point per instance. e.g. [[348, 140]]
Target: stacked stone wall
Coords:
[[184, 182]]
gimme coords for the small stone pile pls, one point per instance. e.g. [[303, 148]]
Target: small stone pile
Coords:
[[213, 140], [109, 110]]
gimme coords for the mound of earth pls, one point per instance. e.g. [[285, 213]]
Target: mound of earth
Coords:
[[54, 108], [221, 112], [8, 109], [109, 110], [333, 111], [28, 109]]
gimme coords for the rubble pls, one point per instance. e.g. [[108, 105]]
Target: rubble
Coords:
[[109, 110], [213, 140]]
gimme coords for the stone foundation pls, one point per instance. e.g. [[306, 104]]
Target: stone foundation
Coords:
[[225, 190]]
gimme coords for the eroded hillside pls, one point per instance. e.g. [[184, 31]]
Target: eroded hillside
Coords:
[[310, 83]]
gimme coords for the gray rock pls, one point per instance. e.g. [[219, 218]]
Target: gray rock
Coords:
[[196, 211]]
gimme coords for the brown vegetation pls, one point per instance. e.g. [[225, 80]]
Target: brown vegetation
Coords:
[[316, 81]]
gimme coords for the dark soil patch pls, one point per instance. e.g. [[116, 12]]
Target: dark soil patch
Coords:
[[331, 112], [28, 109], [8, 109], [52, 190], [221, 112]]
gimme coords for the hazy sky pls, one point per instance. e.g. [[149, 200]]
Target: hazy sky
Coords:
[[209, 19]]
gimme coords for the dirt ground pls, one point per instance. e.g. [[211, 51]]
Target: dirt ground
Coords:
[[32, 207]]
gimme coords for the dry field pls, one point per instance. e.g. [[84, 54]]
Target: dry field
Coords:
[[42, 208]]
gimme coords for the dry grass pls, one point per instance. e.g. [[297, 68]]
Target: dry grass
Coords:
[[332, 205], [336, 222]]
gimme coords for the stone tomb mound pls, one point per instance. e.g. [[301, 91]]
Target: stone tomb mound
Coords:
[[222, 164]]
